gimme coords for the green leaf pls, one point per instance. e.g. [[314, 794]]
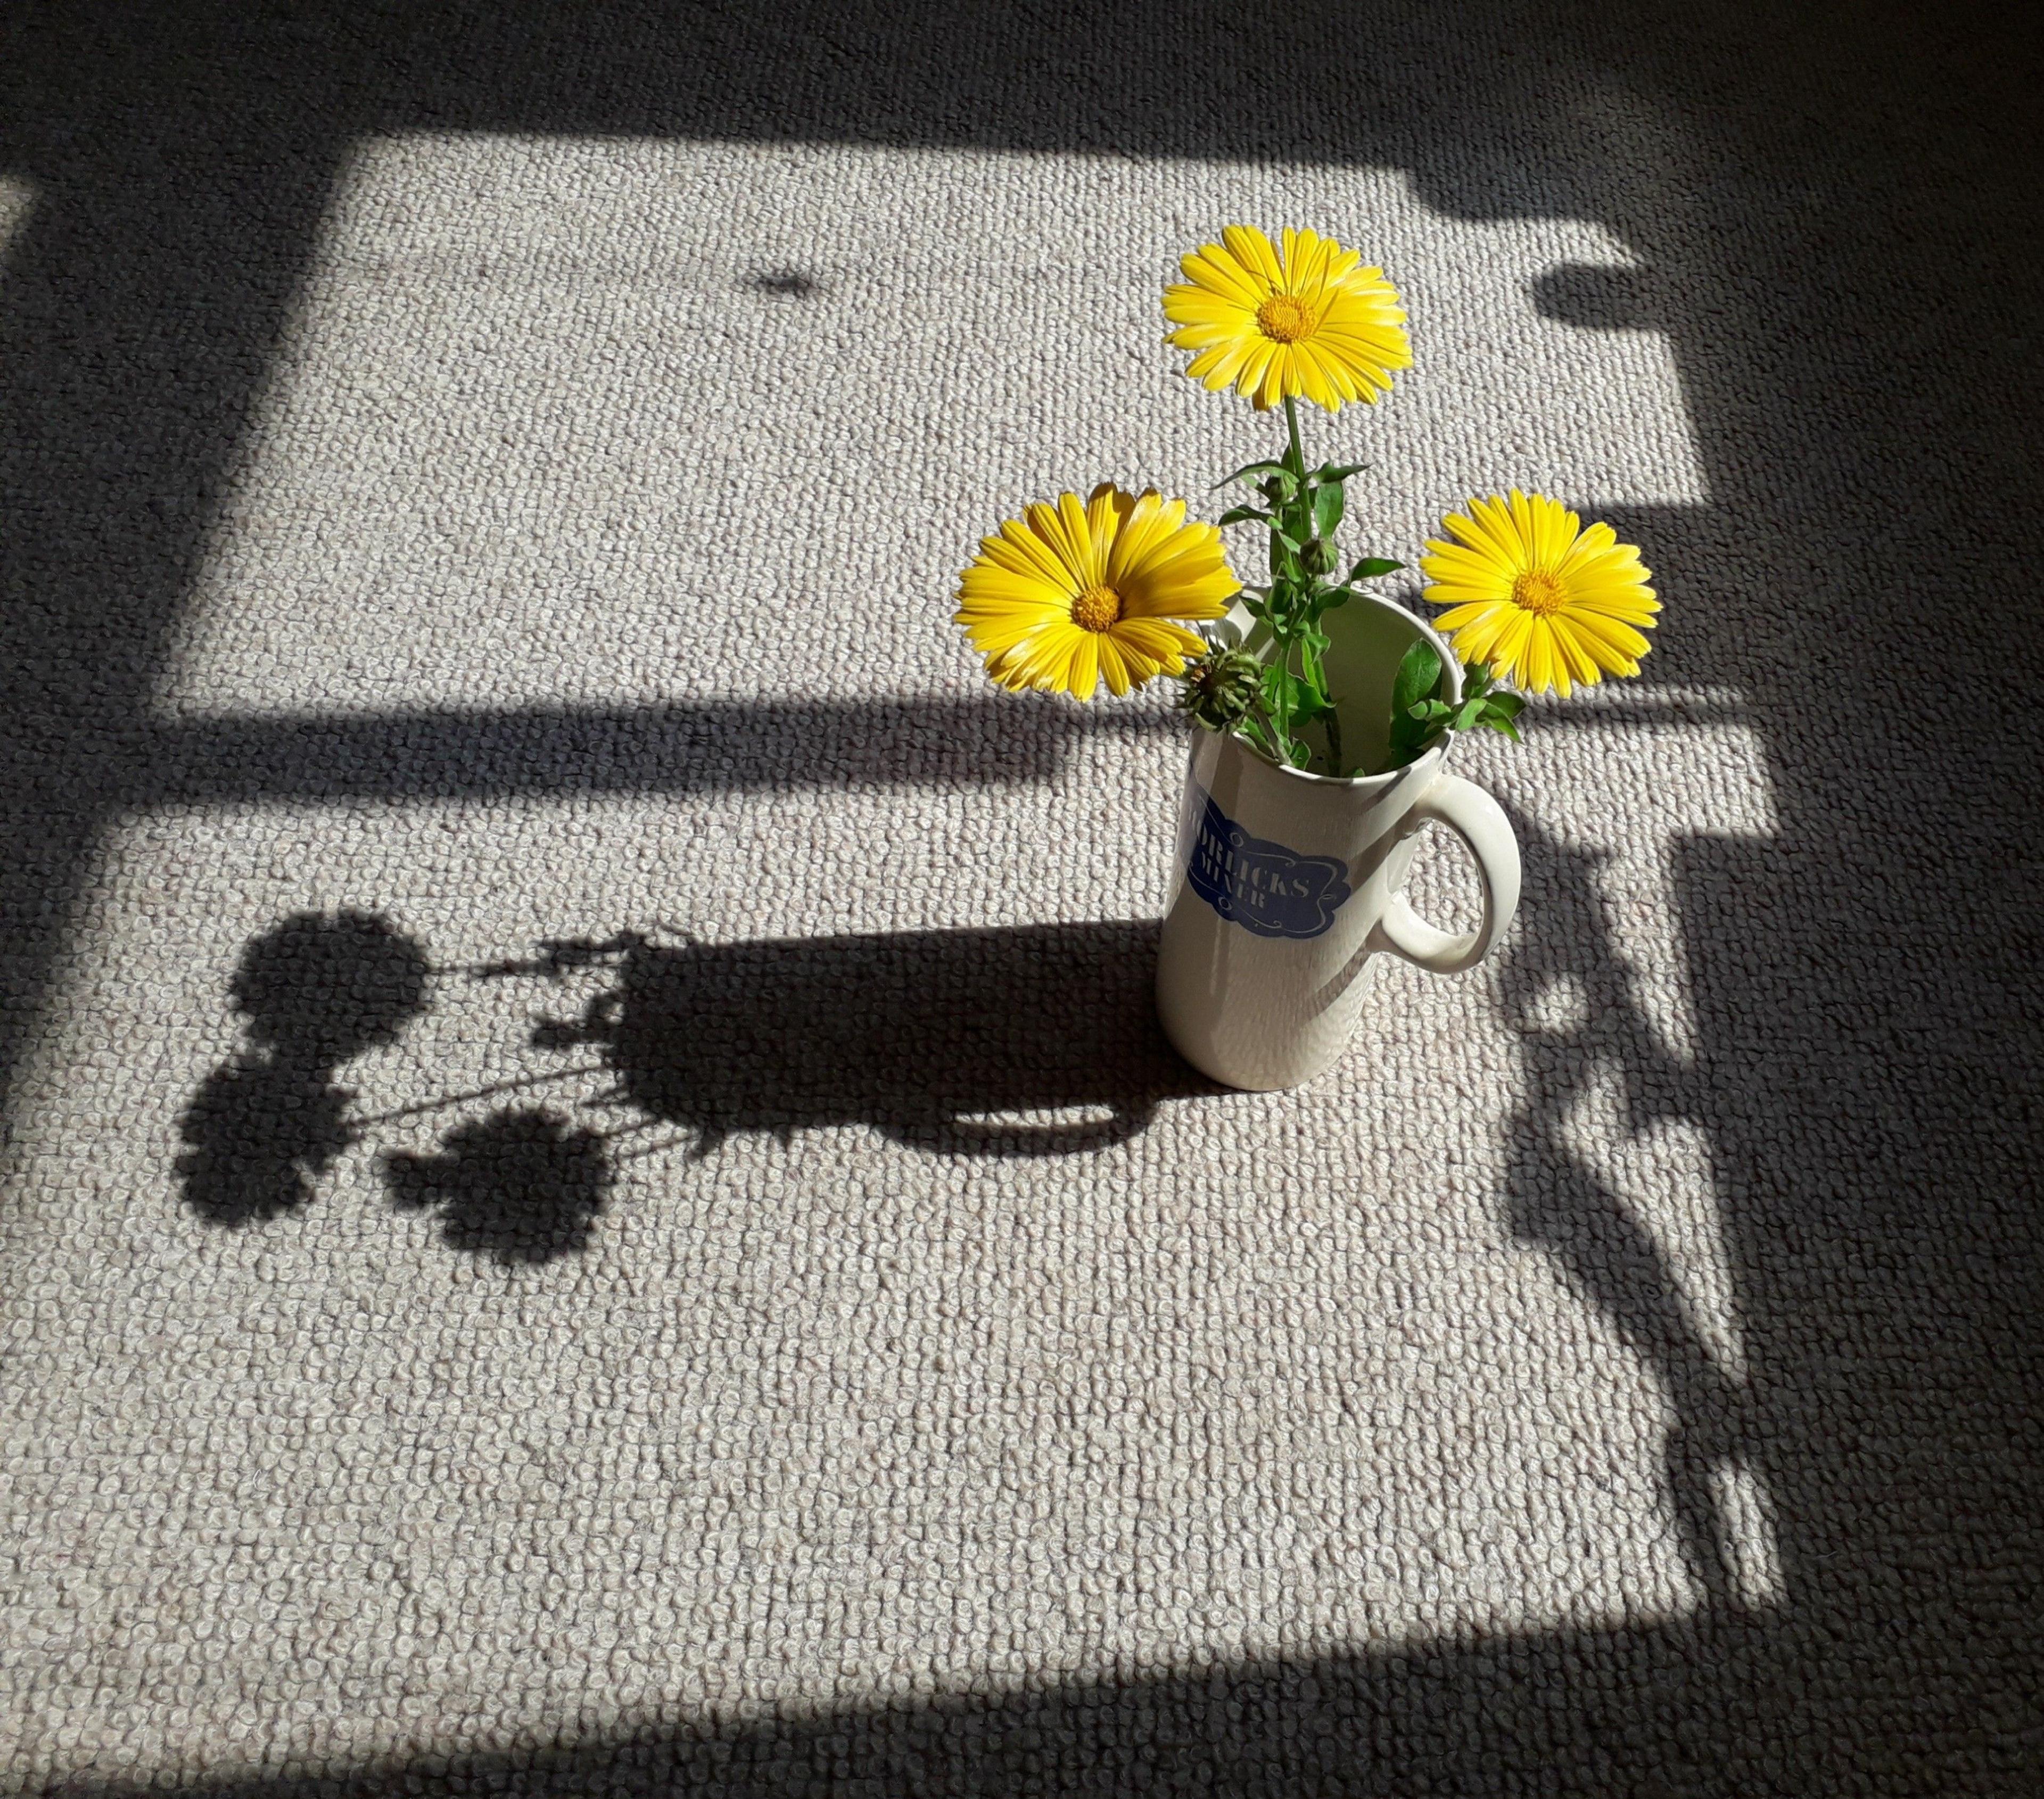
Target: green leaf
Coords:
[[1419, 674], [1430, 712], [1273, 470], [1470, 712], [1511, 704], [1333, 471], [1286, 537], [1371, 567], [1334, 597], [1237, 515], [1504, 725], [1409, 739], [1281, 693], [1328, 504]]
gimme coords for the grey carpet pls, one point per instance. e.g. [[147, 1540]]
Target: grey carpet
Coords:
[[592, 1204]]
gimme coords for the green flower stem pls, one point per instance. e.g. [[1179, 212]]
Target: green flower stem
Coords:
[[1300, 615], [1292, 431], [1303, 511]]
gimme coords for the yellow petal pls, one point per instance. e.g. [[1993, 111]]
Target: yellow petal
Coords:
[[1162, 643], [1539, 657], [1083, 676], [1573, 653], [1254, 252], [1113, 667], [1507, 652], [1212, 268]]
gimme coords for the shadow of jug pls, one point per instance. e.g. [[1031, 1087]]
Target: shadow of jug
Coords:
[[1038, 1040]]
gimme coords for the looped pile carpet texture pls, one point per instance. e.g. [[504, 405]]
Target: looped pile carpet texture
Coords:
[[593, 1200]]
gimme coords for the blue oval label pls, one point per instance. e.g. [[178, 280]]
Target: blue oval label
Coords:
[[1263, 887]]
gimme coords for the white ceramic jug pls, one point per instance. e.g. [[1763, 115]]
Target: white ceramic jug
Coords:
[[1287, 886]]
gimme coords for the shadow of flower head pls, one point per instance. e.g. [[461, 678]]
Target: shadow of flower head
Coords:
[[520, 1186], [320, 988], [316, 991]]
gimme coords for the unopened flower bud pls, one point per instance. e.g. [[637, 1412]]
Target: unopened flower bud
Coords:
[[1319, 556], [1221, 686]]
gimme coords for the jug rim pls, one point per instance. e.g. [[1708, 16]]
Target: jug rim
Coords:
[[1235, 629]]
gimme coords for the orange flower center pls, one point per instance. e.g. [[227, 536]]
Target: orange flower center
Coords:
[[1097, 609], [1284, 319], [1537, 591]]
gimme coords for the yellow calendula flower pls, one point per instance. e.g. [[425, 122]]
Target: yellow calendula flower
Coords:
[[1542, 598], [1307, 320], [1078, 592]]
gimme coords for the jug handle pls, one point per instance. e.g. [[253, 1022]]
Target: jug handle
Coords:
[[1479, 820]]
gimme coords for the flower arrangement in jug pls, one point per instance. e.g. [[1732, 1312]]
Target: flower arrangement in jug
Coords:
[[1077, 593]]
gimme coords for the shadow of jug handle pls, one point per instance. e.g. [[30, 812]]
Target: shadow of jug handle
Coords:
[[1479, 820]]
